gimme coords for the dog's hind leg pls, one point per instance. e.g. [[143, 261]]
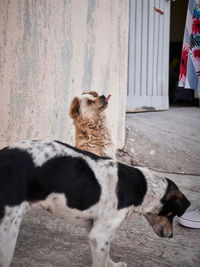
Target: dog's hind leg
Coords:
[[9, 229], [100, 238]]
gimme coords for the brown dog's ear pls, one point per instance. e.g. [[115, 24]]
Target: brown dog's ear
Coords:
[[74, 108]]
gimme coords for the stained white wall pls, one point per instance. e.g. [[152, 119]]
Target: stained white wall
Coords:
[[51, 51]]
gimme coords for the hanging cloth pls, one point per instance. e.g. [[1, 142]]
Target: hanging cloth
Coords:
[[189, 76]]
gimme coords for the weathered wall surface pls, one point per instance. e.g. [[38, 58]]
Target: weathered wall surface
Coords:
[[51, 51]]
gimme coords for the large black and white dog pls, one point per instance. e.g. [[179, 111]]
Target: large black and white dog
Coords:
[[80, 187]]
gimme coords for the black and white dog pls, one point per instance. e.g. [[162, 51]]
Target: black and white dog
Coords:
[[80, 187]]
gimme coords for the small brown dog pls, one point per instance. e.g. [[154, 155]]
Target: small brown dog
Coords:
[[92, 133]]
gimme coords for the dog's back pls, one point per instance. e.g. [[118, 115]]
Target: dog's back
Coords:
[[28, 174]]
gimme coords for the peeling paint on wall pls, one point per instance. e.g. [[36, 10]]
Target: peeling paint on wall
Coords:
[[51, 51]]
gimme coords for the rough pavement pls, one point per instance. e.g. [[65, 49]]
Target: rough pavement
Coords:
[[165, 141]]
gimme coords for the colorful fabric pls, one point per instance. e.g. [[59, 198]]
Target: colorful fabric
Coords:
[[189, 76]]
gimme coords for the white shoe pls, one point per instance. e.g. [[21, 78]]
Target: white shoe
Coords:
[[190, 219]]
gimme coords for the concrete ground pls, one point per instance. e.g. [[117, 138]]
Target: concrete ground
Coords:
[[167, 142]]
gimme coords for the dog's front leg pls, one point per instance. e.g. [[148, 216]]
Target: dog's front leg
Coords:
[[99, 239]]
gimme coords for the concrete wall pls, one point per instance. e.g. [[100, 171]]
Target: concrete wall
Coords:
[[53, 50]]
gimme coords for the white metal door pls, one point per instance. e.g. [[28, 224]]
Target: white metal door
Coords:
[[148, 55]]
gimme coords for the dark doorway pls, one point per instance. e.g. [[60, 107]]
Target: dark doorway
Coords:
[[178, 95]]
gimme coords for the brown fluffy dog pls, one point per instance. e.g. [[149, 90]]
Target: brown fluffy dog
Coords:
[[92, 133]]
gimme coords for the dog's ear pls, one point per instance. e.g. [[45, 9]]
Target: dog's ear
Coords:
[[74, 108], [178, 204], [174, 200], [182, 204]]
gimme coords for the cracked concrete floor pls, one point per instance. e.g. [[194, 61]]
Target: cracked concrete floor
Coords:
[[167, 142]]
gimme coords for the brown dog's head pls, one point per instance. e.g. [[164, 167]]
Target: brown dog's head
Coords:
[[173, 203], [88, 105]]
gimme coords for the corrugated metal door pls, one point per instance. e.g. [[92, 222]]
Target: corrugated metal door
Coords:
[[148, 55]]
